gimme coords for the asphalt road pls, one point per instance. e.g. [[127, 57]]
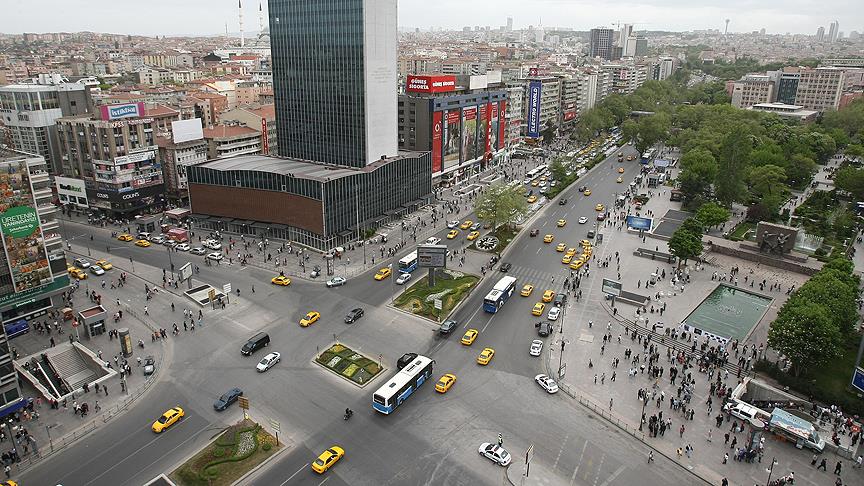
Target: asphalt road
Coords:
[[431, 439]]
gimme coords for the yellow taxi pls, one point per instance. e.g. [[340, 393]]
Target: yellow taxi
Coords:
[[561, 223], [561, 247], [485, 356], [125, 237], [620, 170], [526, 290], [619, 180], [585, 243], [600, 207], [105, 264], [567, 259], [327, 459], [587, 251], [548, 238], [142, 243], [535, 183], [548, 295], [310, 318], [280, 280], [473, 235], [466, 224], [587, 192], [629, 157], [168, 419], [76, 272], [445, 383], [570, 251], [452, 234], [469, 337], [383, 273], [532, 199], [576, 265], [543, 178], [538, 309]]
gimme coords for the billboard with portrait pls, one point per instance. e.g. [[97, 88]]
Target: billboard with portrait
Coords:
[[483, 130], [19, 225], [452, 138], [437, 128], [469, 134], [502, 125], [492, 146]]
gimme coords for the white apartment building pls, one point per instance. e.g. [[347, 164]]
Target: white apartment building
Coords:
[[820, 88], [752, 89]]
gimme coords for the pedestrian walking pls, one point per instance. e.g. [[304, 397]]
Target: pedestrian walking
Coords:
[[838, 468], [725, 457], [650, 457], [823, 465], [610, 404]]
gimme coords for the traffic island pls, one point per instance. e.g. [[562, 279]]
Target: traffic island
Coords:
[[235, 452], [349, 364], [449, 289], [497, 240]]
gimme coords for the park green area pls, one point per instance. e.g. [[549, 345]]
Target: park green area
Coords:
[[235, 452], [450, 288], [346, 362]]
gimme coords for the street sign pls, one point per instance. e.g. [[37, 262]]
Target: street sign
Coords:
[[438, 304], [244, 403], [611, 287], [432, 256], [274, 424], [185, 271], [211, 294], [226, 289], [858, 379]]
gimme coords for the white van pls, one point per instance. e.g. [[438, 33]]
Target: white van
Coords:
[[745, 411]]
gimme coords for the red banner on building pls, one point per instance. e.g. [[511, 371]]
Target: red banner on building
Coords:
[[437, 129], [265, 139], [430, 84], [502, 126], [489, 109]]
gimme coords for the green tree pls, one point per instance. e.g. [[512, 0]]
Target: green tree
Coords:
[[652, 129], [559, 172], [734, 153], [836, 296], [804, 333], [617, 105], [851, 180], [629, 131], [698, 171], [712, 214], [685, 244], [500, 204]]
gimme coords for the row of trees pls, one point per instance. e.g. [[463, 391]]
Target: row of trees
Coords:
[[812, 326], [686, 241]]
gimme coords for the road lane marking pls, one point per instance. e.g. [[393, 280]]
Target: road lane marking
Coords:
[[487, 323], [599, 468], [472, 317], [296, 473], [325, 480], [614, 475], [578, 463]]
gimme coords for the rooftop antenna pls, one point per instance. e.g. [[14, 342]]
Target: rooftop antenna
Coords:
[[240, 10], [260, 18], [726, 32]]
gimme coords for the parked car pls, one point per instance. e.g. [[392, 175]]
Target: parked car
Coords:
[[183, 247], [197, 251], [495, 453]]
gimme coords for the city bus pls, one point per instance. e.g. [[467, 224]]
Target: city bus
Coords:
[[499, 294], [408, 263], [648, 156], [405, 382]]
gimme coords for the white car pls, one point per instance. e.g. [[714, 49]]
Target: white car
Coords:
[[183, 247], [536, 347], [433, 240], [453, 224], [401, 279], [546, 383], [97, 270], [336, 282], [158, 239], [268, 361], [197, 251], [212, 244], [81, 263], [554, 313], [495, 453], [214, 256], [583, 220]]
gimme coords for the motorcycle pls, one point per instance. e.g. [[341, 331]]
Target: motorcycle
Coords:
[[348, 414]]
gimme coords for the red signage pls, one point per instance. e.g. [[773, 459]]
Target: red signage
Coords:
[[489, 109], [437, 127], [533, 72], [265, 139], [431, 84], [569, 115], [502, 125]]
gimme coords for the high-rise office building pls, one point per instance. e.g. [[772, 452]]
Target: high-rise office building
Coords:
[[509, 24], [833, 31], [600, 43], [820, 34], [624, 37], [335, 79]]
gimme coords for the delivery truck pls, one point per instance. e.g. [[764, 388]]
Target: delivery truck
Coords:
[[796, 429]]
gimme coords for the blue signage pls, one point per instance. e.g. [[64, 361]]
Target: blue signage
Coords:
[[534, 88], [858, 379], [636, 222]]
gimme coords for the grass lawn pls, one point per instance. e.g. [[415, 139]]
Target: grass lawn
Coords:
[[234, 453], [419, 299], [345, 361], [740, 230]]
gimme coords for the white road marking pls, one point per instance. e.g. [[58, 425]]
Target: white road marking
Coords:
[[539, 249], [599, 468], [472, 317], [296, 473], [487, 323], [560, 451], [613, 476], [325, 480], [578, 463]]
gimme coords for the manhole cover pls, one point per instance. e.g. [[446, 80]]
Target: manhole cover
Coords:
[[487, 243]]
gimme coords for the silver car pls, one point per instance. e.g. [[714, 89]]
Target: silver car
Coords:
[[197, 251], [268, 362], [495, 453], [401, 279], [554, 313], [546, 383], [536, 347]]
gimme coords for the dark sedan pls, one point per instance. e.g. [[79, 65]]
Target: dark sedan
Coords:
[[353, 315], [227, 398], [506, 266], [405, 360], [447, 327], [149, 365]]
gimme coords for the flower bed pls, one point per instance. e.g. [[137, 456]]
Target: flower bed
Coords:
[[348, 363]]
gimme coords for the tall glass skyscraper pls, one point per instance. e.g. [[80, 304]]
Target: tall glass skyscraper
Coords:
[[335, 79]]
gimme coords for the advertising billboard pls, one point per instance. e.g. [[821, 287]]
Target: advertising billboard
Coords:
[[492, 139], [532, 72], [569, 115], [452, 138], [437, 139], [19, 226], [125, 110], [469, 133], [430, 84], [186, 130], [636, 222], [534, 89], [432, 256], [502, 125], [71, 191], [483, 131], [611, 287]]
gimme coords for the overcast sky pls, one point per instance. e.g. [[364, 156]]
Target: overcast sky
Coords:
[[172, 17]]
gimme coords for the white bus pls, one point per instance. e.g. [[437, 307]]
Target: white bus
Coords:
[[499, 294], [408, 263], [402, 385]]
